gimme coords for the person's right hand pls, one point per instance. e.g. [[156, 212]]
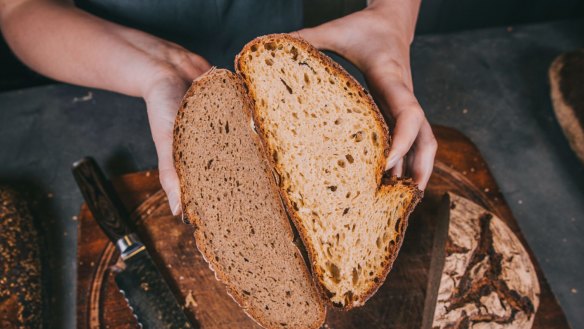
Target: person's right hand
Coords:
[[86, 50], [174, 70]]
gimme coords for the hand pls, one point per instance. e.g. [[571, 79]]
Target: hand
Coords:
[[176, 70], [83, 49], [379, 46]]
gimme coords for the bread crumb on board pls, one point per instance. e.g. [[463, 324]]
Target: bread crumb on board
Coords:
[[190, 300]]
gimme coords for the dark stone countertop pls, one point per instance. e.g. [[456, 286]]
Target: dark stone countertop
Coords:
[[490, 84]]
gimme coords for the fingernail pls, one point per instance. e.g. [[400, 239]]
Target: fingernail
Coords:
[[174, 203], [176, 209], [393, 159]]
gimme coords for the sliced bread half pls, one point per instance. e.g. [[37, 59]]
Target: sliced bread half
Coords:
[[228, 193], [328, 143]]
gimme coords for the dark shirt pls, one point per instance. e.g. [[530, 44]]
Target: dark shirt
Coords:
[[214, 29]]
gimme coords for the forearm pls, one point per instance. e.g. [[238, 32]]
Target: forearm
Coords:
[[67, 44]]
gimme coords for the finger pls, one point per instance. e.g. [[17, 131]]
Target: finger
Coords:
[[171, 186], [167, 173], [162, 107], [424, 152], [397, 99], [200, 63], [407, 127], [188, 65], [398, 169], [188, 69]]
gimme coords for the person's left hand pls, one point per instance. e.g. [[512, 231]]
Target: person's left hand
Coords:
[[379, 46]]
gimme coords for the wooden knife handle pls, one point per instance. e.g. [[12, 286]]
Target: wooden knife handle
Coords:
[[101, 198]]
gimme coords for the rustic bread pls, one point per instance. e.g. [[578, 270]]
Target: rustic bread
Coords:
[[328, 144], [20, 265], [567, 83], [488, 280], [228, 193]]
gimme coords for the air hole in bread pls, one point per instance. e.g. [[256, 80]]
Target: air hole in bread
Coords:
[[270, 45], [358, 136]]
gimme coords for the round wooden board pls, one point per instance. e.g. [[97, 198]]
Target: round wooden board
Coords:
[[398, 304]]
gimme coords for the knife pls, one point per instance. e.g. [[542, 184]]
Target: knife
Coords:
[[144, 288], [438, 257]]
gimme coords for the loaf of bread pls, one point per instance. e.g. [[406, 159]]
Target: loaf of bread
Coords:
[[327, 143], [228, 193], [20, 265], [567, 88], [488, 280]]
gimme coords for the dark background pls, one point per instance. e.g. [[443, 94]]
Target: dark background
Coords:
[[436, 16], [478, 66]]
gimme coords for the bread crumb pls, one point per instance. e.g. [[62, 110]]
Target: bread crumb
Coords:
[[148, 174], [464, 111], [74, 218], [50, 195], [487, 190], [574, 290], [85, 98], [520, 201], [190, 300], [145, 286]]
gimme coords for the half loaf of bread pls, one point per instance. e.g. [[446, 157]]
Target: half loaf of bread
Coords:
[[228, 193], [328, 142]]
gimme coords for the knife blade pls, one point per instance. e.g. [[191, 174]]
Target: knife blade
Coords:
[[142, 284], [438, 256]]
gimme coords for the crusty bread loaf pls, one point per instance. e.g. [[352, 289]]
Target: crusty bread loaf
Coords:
[[488, 280], [567, 88], [229, 194], [20, 265], [328, 143]]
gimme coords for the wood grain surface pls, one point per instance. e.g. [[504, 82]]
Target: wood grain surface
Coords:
[[399, 303]]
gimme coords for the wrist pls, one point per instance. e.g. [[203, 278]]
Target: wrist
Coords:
[[399, 17]]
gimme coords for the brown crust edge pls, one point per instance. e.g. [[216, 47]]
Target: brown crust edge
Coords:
[[572, 128], [417, 194], [193, 219]]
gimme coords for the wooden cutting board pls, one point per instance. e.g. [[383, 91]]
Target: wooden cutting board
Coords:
[[399, 302]]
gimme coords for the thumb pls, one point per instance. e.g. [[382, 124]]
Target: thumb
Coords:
[[162, 106], [171, 185]]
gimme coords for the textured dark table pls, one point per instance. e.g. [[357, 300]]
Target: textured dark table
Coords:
[[490, 84]]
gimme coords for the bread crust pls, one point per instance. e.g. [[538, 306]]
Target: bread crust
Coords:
[[383, 184], [569, 112], [193, 219]]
